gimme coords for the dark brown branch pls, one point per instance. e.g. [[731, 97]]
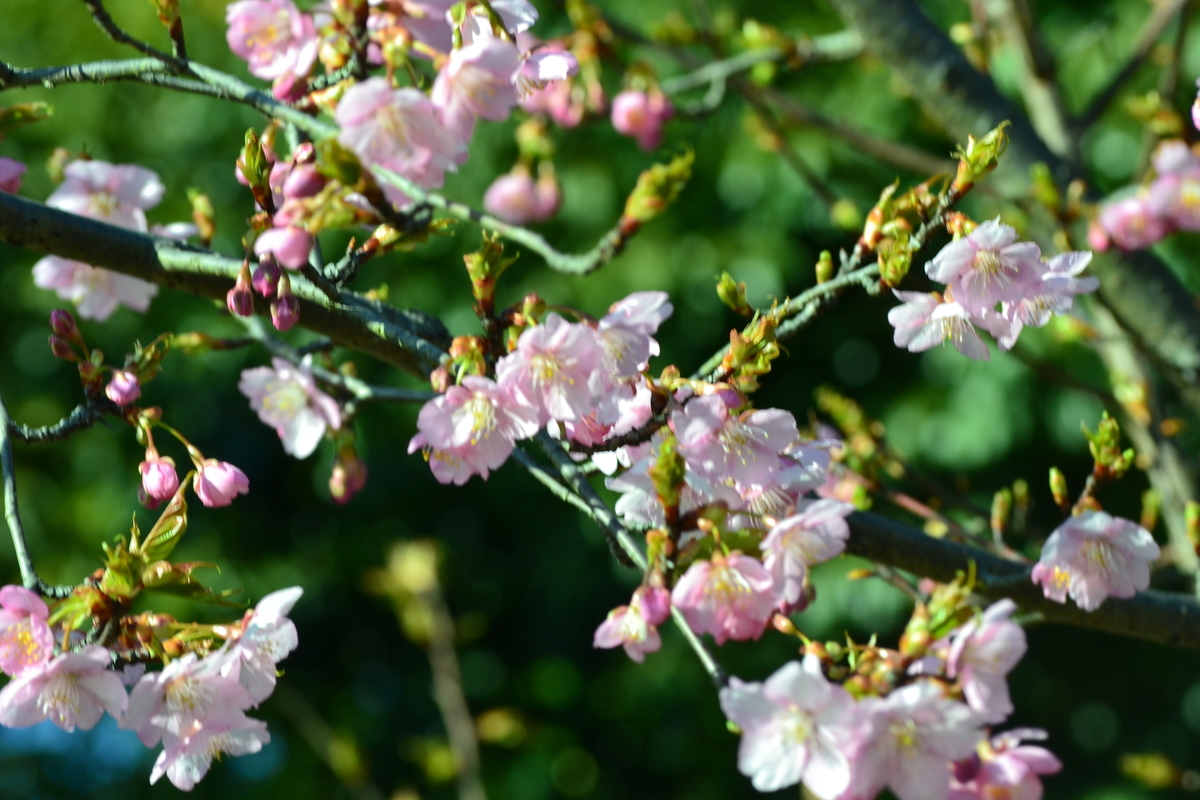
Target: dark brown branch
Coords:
[[83, 417]]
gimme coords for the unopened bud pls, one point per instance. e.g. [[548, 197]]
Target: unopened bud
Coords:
[[656, 604], [1058, 488], [266, 276], [1002, 503], [824, 266], [240, 299], [63, 325], [1151, 502], [285, 312], [124, 388], [61, 349], [348, 478]]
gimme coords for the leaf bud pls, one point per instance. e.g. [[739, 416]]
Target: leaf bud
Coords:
[[1058, 488]]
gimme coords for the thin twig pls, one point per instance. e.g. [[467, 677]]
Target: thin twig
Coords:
[[114, 31]]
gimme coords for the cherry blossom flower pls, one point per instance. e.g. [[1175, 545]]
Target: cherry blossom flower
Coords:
[[627, 332], [1092, 556], [479, 421], [267, 638], [554, 368], [11, 171], [447, 466], [118, 194], [159, 478], [397, 129], [817, 533], [517, 16], [286, 397], [987, 266], [217, 483], [982, 653], [1132, 223], [274, 37], [628, 627], [25, 638], [927, 320], [639, 503], [1053, 294], [1006, 768], [124, 388], [96, 292], [181, 696], [914, 733], [477, 81], [721, 445], [542, 64], [641, 116], [562, 101], [729, 597], [795, 728], [187, 757], [72, 690], [517, 198]]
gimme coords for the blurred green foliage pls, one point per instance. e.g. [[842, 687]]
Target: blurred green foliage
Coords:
[[527, 578]]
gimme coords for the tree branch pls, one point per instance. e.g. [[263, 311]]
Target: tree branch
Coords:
[[84, 416]]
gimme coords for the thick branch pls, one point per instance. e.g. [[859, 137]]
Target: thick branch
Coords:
[[407, 339], [1170, 619], [84, 416]]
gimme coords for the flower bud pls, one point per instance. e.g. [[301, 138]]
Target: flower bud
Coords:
[[146, 500], [303, 181], [348, 478], [63, 325], [266, 276], [124, 388], [160, 481], [218, 482], [290, 245], [10, 175], [656, 604], [285, 308], [304, 153], [240, 299], [61, 349]]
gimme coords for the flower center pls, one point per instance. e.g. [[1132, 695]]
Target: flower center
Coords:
[[483, 417], [103, 203], [186, 694], [60, 698], [798, 726], [545, 368], [1100, 553], [18, 644], [905, 734]]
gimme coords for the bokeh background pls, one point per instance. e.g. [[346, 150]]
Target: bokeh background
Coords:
[[526, 578]]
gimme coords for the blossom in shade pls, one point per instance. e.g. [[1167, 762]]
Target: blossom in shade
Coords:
[[399, 130], [11, 171], [1092, 556], [217, 483], [1005, 767], [517, 198], [816, 534], [729, 597], [1053, 293], [286, 398], [795, 728], [1132, 223], [183, 694], [641, 116], [987, 266], [477, 81], [982, 653], [554, 368], [186, 758], [118, 194], [72, 690], [274, 37], [627, 626], [742, 447], [290, 245], [267, 637], [479, 421], [159, 478], [913, 735], [25, 638], [124, 388], [96, 292]]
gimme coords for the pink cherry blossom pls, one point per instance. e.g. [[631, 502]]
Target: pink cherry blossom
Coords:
[[814, 535], [627, 331], [399, 130], [1093, 556], [117, 194], [982, 653], [517, 16], [641, 116], [477, 81], [479, 421], [1132, 223], [96, 292], [25, 638], [447, 466], [267, 637], [514, 198], [1053, 294], [627, 626], [914, 733], [285, 396], [729, 597], [217, 483], [72, 691], [185, 693], [542, 65], [987, 266], [562, 101], [926, 320], [124, 388], [554, 368], [187, 757], [274, 37], [11, 171], [290, 245], [159, 478], [1006, 768], [795, 728], [742, 447]]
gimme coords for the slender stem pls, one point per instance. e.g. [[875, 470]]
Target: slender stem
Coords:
[[114, 31]]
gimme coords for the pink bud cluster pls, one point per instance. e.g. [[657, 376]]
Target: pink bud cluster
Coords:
[[993, 282], [585, 379], [1169, 203], [118, 194], [1094, 556], [642, 116], [215, 482], [195, 707]]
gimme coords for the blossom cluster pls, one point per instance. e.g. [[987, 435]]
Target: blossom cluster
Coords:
[[992, 282], [195, 707], [1168, 203]]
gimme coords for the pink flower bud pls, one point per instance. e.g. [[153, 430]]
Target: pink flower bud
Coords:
[[547, 196], [266, 276], [124, 388], [303, 181], [641, 116], [348, 479], [285, 308], [289, 88], [10, 175], [305, 153], [240, 299], [146, 500], [63, 324], [61, 349], [218, 482], [512, 198], [656, 604], [160, 481], [290, 245]]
